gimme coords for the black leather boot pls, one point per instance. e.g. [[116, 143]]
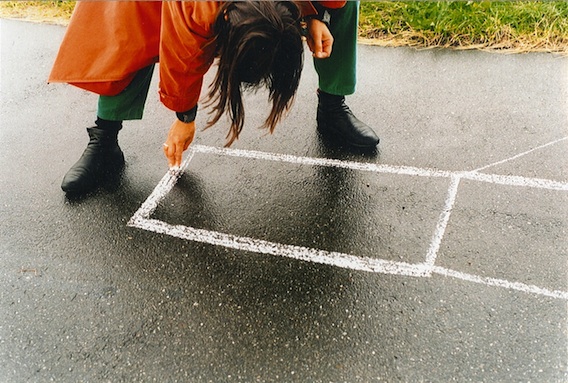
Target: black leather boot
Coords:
[[335, 119], [102, 158]]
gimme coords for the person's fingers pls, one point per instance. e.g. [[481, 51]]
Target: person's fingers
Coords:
[[321, 55], [169, 150], [326, 48], [317, 46], [179, 138], [178, 154]]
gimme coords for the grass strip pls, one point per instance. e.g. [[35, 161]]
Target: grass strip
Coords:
[[519, 26], [53, 11], [509, 26]]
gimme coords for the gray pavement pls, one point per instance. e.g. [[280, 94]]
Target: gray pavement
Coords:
[[443, 258]]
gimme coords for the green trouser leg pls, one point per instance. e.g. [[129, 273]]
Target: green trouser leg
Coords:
[[128, 104], [337, 73]]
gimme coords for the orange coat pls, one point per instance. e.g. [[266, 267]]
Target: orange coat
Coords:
[[107, 42]]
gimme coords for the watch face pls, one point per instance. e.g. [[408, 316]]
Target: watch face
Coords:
[[326, 18]]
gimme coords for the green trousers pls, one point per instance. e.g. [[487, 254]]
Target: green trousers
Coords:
[[337, 74], [128, 104]]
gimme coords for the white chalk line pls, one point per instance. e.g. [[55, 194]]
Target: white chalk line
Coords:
[[377, 168], [337, 259], [328, 162], [141, 220], [532, 289], [538, 183], [161, 190], [432, 253], [521, 154], [343, 260]]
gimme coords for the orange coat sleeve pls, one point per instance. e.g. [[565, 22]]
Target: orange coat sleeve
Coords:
[[332, 4], [187, 51], [307, 8]]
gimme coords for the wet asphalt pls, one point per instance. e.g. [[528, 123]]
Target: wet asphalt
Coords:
[[440, 258]]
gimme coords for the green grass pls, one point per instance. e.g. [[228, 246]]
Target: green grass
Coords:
[[511, 25], [53, 11], [517, 26]]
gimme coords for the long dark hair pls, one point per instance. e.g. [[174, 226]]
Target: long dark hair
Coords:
[[259, 43]]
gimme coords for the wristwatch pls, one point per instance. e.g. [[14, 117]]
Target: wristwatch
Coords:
[[324, 16], [188, 116]]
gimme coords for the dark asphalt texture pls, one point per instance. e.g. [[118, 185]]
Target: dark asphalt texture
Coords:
[[441, 258]]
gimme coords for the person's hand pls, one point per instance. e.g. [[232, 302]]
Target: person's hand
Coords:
[[319, 39], [179, 137]]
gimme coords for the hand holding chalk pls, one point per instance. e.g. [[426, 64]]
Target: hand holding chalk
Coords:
[[179, 138]]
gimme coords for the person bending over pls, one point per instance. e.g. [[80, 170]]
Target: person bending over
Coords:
[[110, 48]]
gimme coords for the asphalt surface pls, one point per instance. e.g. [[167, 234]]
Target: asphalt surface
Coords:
[[443, 257]]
